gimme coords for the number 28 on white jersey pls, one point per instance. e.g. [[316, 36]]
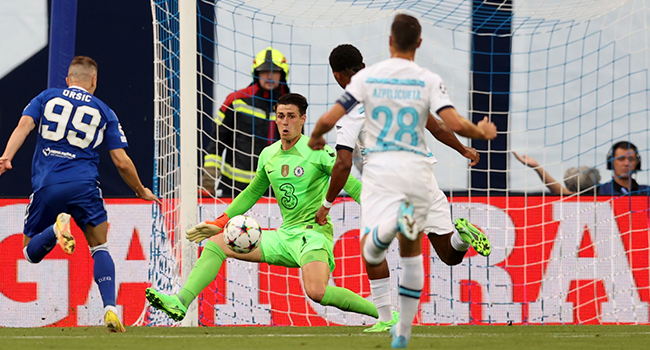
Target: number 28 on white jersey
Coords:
[[397, 95]]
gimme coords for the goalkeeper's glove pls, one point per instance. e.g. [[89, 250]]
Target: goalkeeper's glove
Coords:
[[207, 229]]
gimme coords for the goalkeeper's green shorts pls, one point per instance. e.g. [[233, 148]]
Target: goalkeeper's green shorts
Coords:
[[297, 246]]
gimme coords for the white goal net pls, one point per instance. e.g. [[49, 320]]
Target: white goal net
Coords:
[[563, 80]]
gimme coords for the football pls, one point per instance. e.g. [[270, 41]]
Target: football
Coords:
[[242, 234]]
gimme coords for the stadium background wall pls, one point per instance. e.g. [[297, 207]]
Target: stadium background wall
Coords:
[[553, 262], [125, 79]]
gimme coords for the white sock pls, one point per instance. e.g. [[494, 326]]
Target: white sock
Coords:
[[387, 231], [111, 308], [410, 289], [458, 243], [378, 240], [380, 291]]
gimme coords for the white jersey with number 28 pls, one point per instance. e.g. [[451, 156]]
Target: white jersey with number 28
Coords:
[[397, 95]]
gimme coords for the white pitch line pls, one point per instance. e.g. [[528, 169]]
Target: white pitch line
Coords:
[[336, 335]]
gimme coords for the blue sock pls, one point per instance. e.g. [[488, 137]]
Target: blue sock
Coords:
[[40, 245], [104, 273]]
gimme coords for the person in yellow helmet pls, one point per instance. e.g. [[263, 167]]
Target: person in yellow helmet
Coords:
[[244, 125]]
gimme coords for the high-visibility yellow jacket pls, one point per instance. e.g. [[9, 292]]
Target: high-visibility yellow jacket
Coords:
[[245, 124]]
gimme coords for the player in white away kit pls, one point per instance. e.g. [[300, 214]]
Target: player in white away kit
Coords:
[[396, 195], [451, 246]]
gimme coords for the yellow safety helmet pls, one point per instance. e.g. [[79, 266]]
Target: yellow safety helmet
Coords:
[[270, 59]]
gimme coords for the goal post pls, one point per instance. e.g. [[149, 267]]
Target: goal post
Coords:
[[188, 141], [175, 72], [171, 256], [564, 80]]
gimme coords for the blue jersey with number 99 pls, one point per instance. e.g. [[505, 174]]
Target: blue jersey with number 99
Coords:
[[71, 124]]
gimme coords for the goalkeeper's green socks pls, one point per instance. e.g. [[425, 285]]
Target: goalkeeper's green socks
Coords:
[[207, 267], [348, 300], [204, 272]]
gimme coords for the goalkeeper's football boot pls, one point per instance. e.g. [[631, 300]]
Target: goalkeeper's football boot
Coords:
[[381, 326], [473, 236], [169, 304], [405, 222], [399, 342], [63, 234], [113, 323]]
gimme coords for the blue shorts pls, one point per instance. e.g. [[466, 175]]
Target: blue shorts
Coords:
[[82, 200]]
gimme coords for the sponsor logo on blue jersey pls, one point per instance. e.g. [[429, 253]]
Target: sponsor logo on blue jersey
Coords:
[[56, 153]]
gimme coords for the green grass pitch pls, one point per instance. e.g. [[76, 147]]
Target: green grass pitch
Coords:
[[328, 338]]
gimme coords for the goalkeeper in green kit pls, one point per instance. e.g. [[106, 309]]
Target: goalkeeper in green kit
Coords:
[[300, 178]]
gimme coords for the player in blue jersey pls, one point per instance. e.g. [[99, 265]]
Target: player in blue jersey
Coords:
[[72, 124]]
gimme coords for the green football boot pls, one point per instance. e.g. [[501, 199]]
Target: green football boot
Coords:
[[473, 236], [383, 326], [169, 304]]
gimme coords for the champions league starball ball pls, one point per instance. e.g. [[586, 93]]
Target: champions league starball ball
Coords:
[[242, 234]]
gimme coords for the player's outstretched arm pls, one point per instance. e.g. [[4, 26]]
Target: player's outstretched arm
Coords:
[[442, 133], [484, 130], [207, 229], [129, 174], [325, 124], [250, 195], [25, 125], [549, 181], [340, 173], [353, 188], [241, 204]]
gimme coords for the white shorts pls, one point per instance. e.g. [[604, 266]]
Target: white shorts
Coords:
[[439, 218], [391, 178]]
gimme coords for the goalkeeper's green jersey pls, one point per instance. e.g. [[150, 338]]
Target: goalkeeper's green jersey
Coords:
[[300, 179]]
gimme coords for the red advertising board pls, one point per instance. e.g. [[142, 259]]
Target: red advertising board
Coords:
[[554, 261]]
